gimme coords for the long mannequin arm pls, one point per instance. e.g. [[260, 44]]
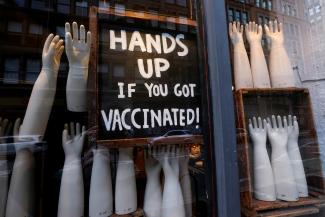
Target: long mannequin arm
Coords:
[[242, 69], [281, 71], [260, 71]]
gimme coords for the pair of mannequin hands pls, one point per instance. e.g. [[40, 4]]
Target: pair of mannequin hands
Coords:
[[77, 50], [174, 162]]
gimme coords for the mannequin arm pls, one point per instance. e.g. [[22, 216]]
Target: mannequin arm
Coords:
[[242, 69], [71, 200], [260, 71], [78, 55], [281, 71], [42, 97], [185, 180]]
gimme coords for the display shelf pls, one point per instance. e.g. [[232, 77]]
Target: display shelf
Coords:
[[138, 213], [278, 101]]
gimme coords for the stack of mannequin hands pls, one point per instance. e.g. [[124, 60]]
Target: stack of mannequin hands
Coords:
[[175, 197], [254, 72], [283, 177]]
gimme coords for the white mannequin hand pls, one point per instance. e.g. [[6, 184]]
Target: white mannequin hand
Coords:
[[71, 200], [51, 56], [278, 133], [295, 156], [283, 173], [259, 68], [17, 126], [153, 194], [253, 32], [173, 202], [236, 33], [73, 143], [281, 71], [275, 32], [77, 50], [258, 131], [264, 188], [242, 68]]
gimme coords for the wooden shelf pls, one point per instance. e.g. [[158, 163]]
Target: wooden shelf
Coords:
[[138, 213], [279, 101]]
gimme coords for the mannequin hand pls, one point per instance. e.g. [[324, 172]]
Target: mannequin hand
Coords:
[[77, 50], [293, 129], [278, 135], [151, 164], [73, 143], [166, 157], [236, 33], [275, 32], [51, 56], [253, 32], [257, 131], [16, 129]]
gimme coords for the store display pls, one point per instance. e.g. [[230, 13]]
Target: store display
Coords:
[[71, 199], [264, 188], [259, 68], [101, 193], [172, 202], [125, 186], [21, 191], [185, 180], [242, 68], [285, 184], [281, 71], [295, 156], [153, 191], [4, 171], [77, 50]]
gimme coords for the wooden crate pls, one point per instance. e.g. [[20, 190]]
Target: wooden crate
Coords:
[[264, 103]]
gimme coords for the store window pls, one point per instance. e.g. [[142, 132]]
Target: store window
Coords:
[[105, 109], [278, 73]]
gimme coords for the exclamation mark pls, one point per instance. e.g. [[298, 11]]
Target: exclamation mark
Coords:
[[197, 117]]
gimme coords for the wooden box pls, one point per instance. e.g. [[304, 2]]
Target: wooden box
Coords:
[[264, 103]]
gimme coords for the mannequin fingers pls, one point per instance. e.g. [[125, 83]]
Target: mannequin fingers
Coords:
[[271, 26], [279, 121], [68, 40], [72, 129], [47, 43], [289, 120], [280, 27], [250, 126], [264, 124], [51, 50], [260, 30], [246, 29], [267, 30], [241, 28], [89, 39], [234, 28], [67, 27], [83, 131], [255, 27], [276, 27], [260, 124], [78, 129], [274, 125], [238, 26], [61, 49], [17, 127], [285, 123], [250, 26], [255, 123], [82, 33], [75, 31], [295, 119], [268, 126], [56, 39], [65, 136], [59, 44]]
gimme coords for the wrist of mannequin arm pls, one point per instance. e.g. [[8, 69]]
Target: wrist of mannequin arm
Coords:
[[78, 72], [72, 161], [240, 48]]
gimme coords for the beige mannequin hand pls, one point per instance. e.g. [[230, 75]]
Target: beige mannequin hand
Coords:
[[236, 33], [77, 49], [278, 133], [253, 32], [73, 142], [275, 32], [258, 131], [52, 51]]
